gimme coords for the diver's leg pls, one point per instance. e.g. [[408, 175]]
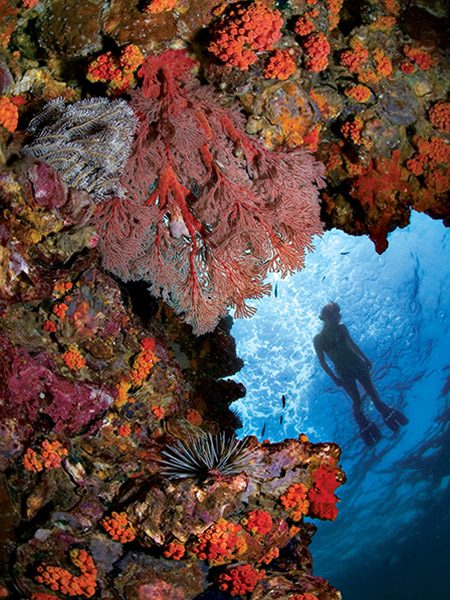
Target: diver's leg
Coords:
[[392, 417], [366, 382], [368, 430]]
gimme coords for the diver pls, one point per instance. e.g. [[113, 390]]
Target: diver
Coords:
[[352, 365]]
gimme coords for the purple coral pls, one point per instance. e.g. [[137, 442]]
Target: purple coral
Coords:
[[31, 391]]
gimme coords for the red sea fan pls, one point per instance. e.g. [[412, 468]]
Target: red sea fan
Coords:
[[209, 210]]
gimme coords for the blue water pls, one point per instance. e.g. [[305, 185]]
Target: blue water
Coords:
[[391, 538]]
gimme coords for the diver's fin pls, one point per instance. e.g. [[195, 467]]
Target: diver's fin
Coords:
[[370, 433], [394, 419]]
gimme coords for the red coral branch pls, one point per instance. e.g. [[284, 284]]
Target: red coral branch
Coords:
[[209, 211]]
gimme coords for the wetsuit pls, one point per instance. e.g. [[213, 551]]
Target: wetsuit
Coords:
[[351, 365], [337, 345]]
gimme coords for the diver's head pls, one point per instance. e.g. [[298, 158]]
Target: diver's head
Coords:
[[331, 313]]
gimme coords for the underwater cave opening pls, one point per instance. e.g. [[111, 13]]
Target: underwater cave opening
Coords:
[[397, 308]]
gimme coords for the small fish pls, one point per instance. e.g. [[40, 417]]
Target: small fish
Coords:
[[263, 430], [343, 253], [275, 293], [281, 419], [283, 401]]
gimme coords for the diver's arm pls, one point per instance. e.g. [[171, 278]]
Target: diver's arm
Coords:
[[323, 363], [356, 348]]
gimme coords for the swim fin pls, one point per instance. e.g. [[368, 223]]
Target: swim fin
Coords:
[[370, 433], [394, 419]]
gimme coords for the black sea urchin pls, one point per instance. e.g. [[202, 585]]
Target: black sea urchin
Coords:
[[206, 455]]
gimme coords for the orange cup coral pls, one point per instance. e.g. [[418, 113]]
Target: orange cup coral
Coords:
[[175, 550], [62, 580], [9, 114], [119, 528], [74, 359], [281, 65], [49, 457], [258, 522], [439, 115], [295, 501], [317, 49], [220, 543], [158, 6], [247, 28], [240, 580]]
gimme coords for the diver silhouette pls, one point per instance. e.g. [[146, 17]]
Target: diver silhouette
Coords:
[[352, 365]]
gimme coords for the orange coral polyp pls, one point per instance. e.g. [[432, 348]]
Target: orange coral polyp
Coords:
[[383, 63], [384, 23], [49, 326], [359, 93], [258, 522], [355, 58], [304, 26], [74, 359], [124, 430], [102, 69], [352, 130], [60, 310], [281, 65], [49, 457], [9, 114], [244, 31], [144, 362], [32, 461], [62, 580], [420, 57], [431, 153], [220, 543], [317, 49], [439, 115], [174, 550], [61, 287], [52, 454], [295, 501], [158, 6], [334, 8], [240, 580], [118, 73], [119, 528], [131, 57], [392, 6]]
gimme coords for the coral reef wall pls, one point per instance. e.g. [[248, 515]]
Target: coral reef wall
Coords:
[[157, 160], [121, 476]]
